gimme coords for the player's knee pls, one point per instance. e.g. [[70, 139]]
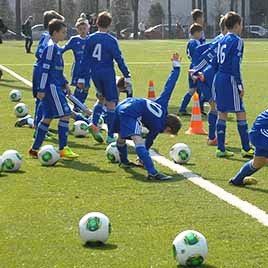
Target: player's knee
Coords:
[[110, 105], [46, 121], [138, 140], [259, 162], [191, 91], [241, 116], [65, 118], [120, 142]]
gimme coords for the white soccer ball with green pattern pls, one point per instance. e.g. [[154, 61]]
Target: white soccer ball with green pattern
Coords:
[[112, 153], [21, 109], [180, 153], [48, 155], [80, 128], [11, 161], [15, 95], [190, 248], [94, 227]]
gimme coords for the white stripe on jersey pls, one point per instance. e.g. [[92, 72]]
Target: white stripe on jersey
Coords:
[[43, 80], [235, 95], [264, 132], [50, 50], [56, 99]]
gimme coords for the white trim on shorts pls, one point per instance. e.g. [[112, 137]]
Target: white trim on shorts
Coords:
[[56, 99]]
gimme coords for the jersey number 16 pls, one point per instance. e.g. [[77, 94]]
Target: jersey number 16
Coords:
[[97, 52]]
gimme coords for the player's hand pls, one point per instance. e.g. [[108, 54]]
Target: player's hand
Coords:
[[128, 86], [40, 95], [176, 60], [242, 93], [67, 90]]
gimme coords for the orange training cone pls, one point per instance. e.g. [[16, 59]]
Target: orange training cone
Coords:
[[151, 90], [196, 124]]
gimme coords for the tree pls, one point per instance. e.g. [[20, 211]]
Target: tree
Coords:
[[169, 19], [108, 4], [40, 6], [6, 13], [156, 14], [69, 11], [135, 8], [60, 6], [18, 16]]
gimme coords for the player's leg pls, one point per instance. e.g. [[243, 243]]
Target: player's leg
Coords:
[[30, 44], [242, 126], [81, 94], [122, 149], [110, 105], [185, 101], [212, 120]]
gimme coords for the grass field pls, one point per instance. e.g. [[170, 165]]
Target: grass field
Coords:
[[40, 207]]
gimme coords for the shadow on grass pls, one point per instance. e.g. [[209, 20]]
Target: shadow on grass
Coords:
[[100, 246], [256, 189], [10, 85]]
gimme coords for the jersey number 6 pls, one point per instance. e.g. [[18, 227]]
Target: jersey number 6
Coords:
[[97, 52]]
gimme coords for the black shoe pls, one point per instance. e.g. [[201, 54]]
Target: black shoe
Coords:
[[129, 164], [184, 113], [204, 113], [22, 121], [159, 177]]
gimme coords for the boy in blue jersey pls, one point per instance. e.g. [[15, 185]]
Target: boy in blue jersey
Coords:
[[229, 87], [132, 113], [208, 65], [259, 138], [196, 32], [198, 17], [100, 52], [51, 92], [77, 45], [48, 16]]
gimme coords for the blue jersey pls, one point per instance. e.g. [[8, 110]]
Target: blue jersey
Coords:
[[51, 67], [261, 121], [41, 46], [152, 114], [77, 45], [230, 53], [100, 52], [191, 48]]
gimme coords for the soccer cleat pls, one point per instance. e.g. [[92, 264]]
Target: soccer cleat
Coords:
[[110, 139], [226, 153], [95, 132], [22, 121], [159, 177], [246, 181], [129, 164], [247, 154], [66, 152], [33, 153], [213, 142]]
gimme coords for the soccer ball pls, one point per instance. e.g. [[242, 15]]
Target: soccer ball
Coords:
[[80, 128], [112, 153], [48, 155], [180, 153], [15, 95], [144, 132], [190, 248], [94, 227], [21, 110], [11, 160]]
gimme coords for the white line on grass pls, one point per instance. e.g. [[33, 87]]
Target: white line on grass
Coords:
[[210, 187]]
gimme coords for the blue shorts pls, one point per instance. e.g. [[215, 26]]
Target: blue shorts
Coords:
[[191, 82], [125, 125], [55, 104], [105, 83], [227, 94], [259, 138], [204, 90], [75, 73], [36, 79]]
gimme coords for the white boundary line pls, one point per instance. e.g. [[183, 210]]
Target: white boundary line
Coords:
[[244, 206]]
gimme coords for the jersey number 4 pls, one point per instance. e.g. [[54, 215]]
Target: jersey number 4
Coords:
[[221, 53], [97, 52]]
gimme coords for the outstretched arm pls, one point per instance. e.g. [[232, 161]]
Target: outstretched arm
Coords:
[[164, 98]]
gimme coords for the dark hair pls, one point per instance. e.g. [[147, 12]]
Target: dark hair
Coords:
[[222, 23], [195, 28], [50, 15], [121, 83], [196, 13], [55, 26], [174, 123], [231, 19], [104, 19]]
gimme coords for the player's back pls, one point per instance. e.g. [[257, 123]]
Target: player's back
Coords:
[[151, 114], [261, 121], [229, 47], [191, 48], [43, 42], [101, 50]]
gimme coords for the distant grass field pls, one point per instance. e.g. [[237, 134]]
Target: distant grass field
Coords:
[[40, 207]]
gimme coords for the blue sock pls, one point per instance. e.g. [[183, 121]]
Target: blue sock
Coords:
[[247, 170], [186, 99], [81, 94], [97, 111], [63, 128], [78, 116], [221, 129], [41, 132], [38, 112], [122, 148], [144, 156], [212, 119], [110, 121], [242, 127]]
